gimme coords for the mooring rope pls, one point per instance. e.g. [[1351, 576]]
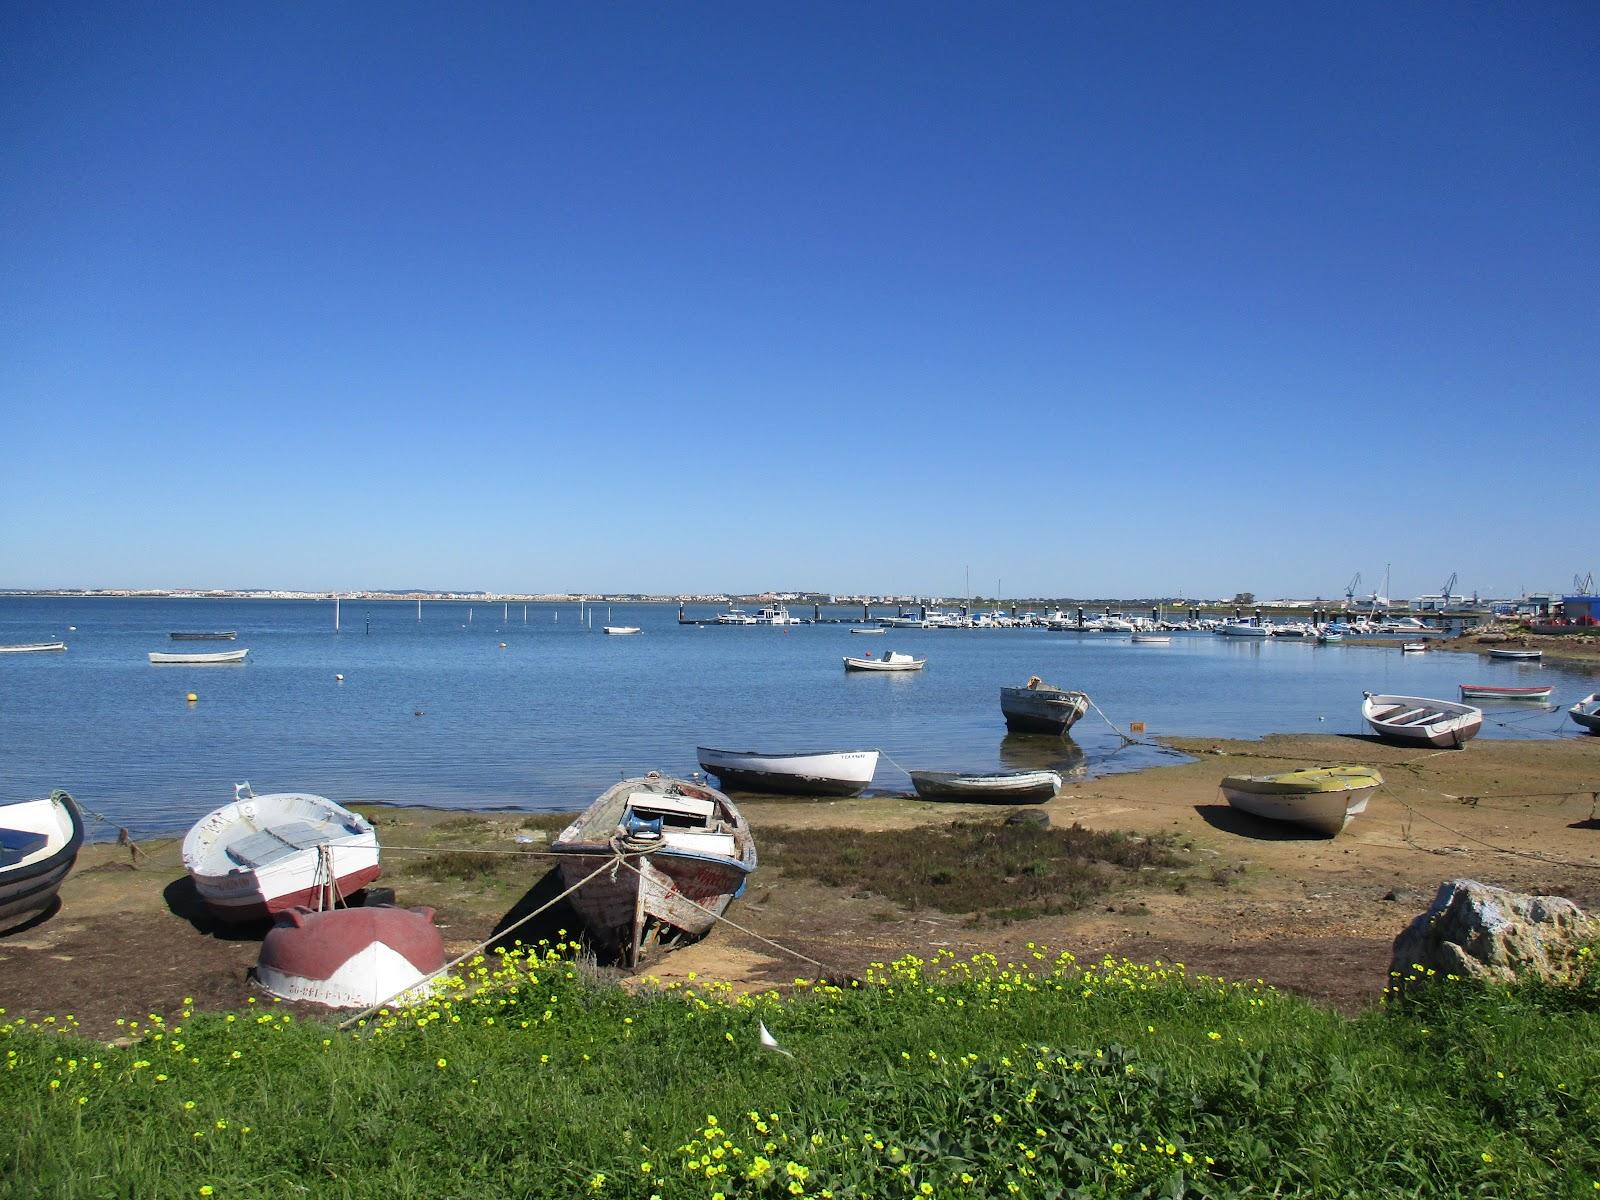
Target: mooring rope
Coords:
[[1413, 811]]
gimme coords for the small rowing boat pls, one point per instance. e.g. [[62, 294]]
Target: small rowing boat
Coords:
[[32, 647], [1586, 712], [199, 660], [875, 629], [1150, 639], [266, 854], [806, 773], [620, 629], [687, 854], [1319, 798], [1488, 691], [1039, 708], [1414, 648], [890, 661], [1417, 720], [39, 841], [216, 635], [1001, 787], [1517, 655]]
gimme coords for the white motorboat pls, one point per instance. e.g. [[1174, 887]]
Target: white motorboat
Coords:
[[1000, 787], [265, 854], [803, 773], [1039, 708], [620, 629], [199, 660], [688, 852], [1319, 798], [1586, 712], [1420, 721], [774, 614], [1242, 629], [39, 841], [891, 661], [32, 647], [735, 616], [1414, 648]]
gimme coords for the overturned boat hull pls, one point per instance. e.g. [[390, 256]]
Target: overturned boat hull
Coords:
[[350, 957]]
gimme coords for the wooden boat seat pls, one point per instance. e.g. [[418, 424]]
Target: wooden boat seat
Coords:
[[279, 842], [1422, 718], [17, 844], [1397, 717]]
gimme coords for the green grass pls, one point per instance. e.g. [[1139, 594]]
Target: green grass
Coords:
[[949, 1078], [1005, 872]]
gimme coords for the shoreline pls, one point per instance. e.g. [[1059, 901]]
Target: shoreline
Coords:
[[1316, 916]]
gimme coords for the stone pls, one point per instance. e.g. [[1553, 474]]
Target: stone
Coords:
[[1475, 931], [1029, 816]]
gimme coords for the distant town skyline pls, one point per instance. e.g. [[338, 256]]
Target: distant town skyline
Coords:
[[1057, 298]]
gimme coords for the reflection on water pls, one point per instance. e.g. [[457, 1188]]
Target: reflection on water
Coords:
[[1043, 752]]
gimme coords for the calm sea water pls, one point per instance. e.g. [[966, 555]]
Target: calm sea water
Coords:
[[437, 712]]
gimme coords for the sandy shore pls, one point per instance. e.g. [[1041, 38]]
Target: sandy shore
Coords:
[[1313, 915]]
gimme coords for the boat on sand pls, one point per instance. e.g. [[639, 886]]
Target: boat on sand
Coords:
[[891, 661], [1319, 798], [1420, 721], [1039, 708], [265, 854], [687, 854], [1586, 712], [800, 773], [39, 841], [1001, 787], [350, 957]]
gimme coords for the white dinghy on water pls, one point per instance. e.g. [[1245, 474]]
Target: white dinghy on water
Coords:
[[891, 661], [1421, 721], [262, 855], [687, 853], [220, 658], [802, 773]]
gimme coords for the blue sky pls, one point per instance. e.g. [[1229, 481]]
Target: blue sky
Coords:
[[1112, 299]]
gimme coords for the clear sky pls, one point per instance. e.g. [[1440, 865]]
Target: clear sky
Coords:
[[1090, 299]]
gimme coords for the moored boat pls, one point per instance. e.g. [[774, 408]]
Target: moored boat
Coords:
[[214, 635], [1517, 655], [199, 660], [621, 629], [1000, 787], [1586, 712], [351, 957], [687, 855], [1039, 708], [805, 773], [891, 661], [1488, 691], [1418, 720], [1242, 629], [872, 630], [265, 854], [1151, 639], [1319, 798], [39, 842], [1414, 648], [32, 647]]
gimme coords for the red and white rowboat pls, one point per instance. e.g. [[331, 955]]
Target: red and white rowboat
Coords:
[[350, 957], [1487, 691]]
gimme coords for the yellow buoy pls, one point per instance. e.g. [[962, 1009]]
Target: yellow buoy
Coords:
[[192, 697]]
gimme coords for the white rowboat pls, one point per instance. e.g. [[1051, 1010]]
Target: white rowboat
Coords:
[[266, 854], [808, 773], [890, 661], [688, 854], [1319, 798], [1003, 787], [39, 841], [1518, 655], [1586, 712], [32, 647], [199, 660], [870, 631], [621, 628], [1420, 721]]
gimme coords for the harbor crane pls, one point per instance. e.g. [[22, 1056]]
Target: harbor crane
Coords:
[[1583, 585], [1449, 585], [1350, 588]]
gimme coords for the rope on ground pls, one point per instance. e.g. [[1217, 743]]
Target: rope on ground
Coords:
[[741, 928], [609, 865], [1413, 811]]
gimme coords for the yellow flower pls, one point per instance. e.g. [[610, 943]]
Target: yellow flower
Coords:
[[440, 1064], [205, 1189]]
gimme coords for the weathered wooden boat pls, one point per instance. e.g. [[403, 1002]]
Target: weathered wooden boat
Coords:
[[1039, 708], [1488, 691], [874, 629], [1586, 712], [620, 629], [32, 647], [1420, 721], [1517, 655], [891, 661], [39, 841], [215, 635], [265, 854], [691, 850], [803, 773], [1000, 787], [351, 957], [199, 660], [1319, 798]]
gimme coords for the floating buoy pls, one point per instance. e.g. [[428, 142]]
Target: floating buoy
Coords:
[[417, 713], [502, 645], [338, 678], [72, 629], [191, 697]]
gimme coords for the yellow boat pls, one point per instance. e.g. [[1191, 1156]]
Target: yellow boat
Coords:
[[1320, 798]]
